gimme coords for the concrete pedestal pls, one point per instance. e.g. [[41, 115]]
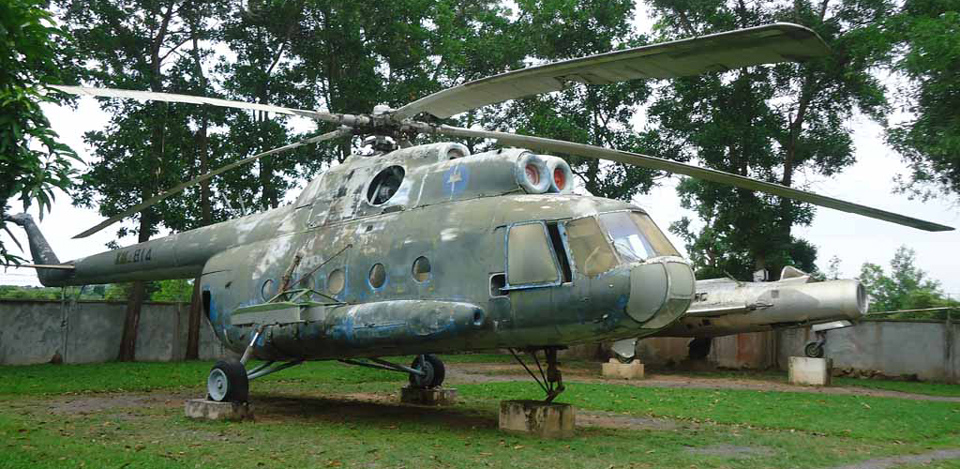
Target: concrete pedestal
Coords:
[[212, 410], [435, 396], [548, 420], [810, 371], [615, 369]]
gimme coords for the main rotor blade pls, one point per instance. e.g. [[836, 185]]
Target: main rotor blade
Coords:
[[197, 180], [184, 98], [706, 174], [772, 43]]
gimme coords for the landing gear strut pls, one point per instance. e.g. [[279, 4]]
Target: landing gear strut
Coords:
[[229, 380], [552, 380], [814, 348], [426, 371]]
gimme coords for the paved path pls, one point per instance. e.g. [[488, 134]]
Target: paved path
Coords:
[[486, 372], [894, 461]]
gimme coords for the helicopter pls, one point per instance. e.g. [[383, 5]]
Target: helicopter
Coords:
[[429, 249]]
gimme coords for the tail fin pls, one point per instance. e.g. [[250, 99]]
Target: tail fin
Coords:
[[39, 248]]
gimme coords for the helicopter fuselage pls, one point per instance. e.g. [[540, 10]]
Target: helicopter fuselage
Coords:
[[422, 250]]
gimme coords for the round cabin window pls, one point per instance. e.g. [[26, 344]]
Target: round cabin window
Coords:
[[421, 269], [384, 185], [378, 275], [335, 281]]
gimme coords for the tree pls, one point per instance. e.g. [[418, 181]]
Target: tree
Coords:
[[907, 287], [765, 122], [175, 291], [146, 148], [32, 161], [929, 33], [597, 115]]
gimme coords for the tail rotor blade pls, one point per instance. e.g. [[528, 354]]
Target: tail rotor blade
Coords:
[[197, 180], [636, 159]]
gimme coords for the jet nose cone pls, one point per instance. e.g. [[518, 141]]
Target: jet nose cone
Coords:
[[660, 291]]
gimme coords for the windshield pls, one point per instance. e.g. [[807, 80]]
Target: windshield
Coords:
[[635, 236]]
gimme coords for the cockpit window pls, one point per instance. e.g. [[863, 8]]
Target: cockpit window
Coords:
[[635, 236], [661, 245], [530, 260], [591, 253]]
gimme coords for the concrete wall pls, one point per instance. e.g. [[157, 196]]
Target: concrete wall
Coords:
[[89, 332], [755, 350], [929, 350]]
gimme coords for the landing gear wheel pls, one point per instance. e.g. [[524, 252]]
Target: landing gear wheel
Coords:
[[699, 348], [433, 369], [228, 382], [813, 349]]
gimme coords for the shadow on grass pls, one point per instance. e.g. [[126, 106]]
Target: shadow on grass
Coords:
[[283, 408]]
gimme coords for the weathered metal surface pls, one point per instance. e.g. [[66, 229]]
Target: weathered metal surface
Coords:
[[724, 306], [453, 209], [715, 52]]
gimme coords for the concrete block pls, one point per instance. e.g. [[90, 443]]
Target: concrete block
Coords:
[[615, 369], [434, 396], [211, 410], [548, 420], [810, 371]]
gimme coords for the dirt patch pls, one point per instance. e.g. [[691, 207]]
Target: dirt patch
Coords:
[[97, 404], [672, 381], [584, 418], [471, 373], [895, 461], [611, 420], [730, 450], [372, 408]]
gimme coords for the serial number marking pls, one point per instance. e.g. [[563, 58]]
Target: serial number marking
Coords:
[[136, 255]]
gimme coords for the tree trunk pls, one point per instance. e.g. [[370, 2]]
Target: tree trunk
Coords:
[[138, 293], [193, 326], [206, 218], [128, 342]]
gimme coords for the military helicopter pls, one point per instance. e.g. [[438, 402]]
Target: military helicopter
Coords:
[[427, 249]]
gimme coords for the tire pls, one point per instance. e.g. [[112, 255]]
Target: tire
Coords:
[[434, 369], [813, 350], [699, 348], [227, 382]]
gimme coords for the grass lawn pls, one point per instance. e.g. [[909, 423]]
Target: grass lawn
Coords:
[[331, 415]]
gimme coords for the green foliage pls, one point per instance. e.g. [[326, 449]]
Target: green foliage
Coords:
[[929, 33], [13, 292], [174, 291], [906, 287], [770, 123], [33, 53], [597, 115], [146, 148]]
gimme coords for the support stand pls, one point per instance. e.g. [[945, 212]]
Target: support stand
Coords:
[[810, 371], [428, 396], [544, 419], [615, 369]]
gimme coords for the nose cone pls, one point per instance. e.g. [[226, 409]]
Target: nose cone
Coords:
[[660, 291]]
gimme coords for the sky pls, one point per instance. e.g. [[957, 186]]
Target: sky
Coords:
[[852, 238]]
